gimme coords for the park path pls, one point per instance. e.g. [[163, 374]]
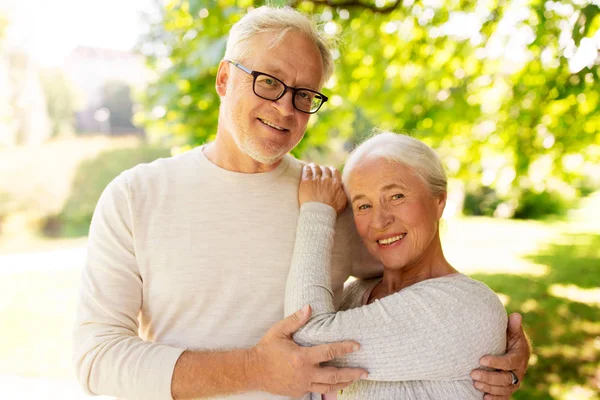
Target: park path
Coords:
[[55, 260], [17, 364]]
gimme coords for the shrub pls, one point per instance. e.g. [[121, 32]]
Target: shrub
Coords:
[[481, 201], [537, 205], [91, 178]]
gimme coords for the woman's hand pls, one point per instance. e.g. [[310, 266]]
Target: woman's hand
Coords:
[[322, 184]]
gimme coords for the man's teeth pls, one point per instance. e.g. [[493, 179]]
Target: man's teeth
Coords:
[[272, 125], [391, 240]]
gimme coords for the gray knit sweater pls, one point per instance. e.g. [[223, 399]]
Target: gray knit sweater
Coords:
[[419, 343]]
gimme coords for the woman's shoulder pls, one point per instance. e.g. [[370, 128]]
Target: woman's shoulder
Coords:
[[455, 283], [463, 294]]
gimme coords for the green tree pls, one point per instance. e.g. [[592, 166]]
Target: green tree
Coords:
[[61, 100], [506, 91]]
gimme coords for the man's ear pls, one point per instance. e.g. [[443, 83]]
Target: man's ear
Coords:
[[441, 204], [222, 78]]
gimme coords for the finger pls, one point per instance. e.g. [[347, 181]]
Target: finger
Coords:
[[292, 323], [326, 172], [496, 378], [327, 352], [506, 362], [515, 327], [324, 388], [316, 171], [335, 173], [306, 172], [495, 390], [514, 322], [333, 376], [492, 397]]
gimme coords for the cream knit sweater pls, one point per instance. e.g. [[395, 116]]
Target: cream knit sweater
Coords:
[[419, 343], [185, 255]]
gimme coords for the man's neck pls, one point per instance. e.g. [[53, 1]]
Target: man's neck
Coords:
[[228, 156]]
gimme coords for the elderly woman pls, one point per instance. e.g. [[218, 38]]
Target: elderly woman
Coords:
[[423, 326]]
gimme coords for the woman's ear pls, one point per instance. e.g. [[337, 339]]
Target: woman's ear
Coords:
[[222, 78], [441, 204]]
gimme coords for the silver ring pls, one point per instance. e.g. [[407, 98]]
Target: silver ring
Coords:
[[515, 378]]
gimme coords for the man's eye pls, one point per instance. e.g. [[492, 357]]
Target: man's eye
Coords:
[[270, 82], [397, 196]]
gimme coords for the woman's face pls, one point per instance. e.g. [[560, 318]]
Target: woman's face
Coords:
[[395, 214]]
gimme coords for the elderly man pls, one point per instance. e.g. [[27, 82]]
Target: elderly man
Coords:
[[188, 256]]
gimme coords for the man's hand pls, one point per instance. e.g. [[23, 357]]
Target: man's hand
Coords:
[[497, 384], [282, 367], [323, 185]]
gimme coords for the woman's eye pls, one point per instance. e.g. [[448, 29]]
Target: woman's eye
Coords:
[[397, 196], [363, 207]]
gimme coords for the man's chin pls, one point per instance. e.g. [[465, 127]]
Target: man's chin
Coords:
[[266, 157]]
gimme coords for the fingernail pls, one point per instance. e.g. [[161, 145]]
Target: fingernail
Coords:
[[485, 362], [476, 375], [304, 309], [355, 347], [364, 376]]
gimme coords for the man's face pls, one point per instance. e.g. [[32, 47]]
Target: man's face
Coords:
[[261, 129]]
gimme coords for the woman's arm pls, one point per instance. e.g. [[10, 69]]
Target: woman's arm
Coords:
[[430, 331]]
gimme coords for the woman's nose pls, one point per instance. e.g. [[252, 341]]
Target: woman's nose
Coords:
[[382, 219]]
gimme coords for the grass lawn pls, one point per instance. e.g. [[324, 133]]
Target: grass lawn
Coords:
[[549, 272]]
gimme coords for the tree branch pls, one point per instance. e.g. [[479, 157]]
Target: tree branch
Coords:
[[354, 4]]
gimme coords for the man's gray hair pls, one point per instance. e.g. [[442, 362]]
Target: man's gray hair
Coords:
[[403, 149], [279, 21]]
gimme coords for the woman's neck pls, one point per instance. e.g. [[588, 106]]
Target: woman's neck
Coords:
[[432, 264]]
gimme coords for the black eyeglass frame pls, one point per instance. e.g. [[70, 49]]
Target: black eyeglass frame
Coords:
[[286, 88]]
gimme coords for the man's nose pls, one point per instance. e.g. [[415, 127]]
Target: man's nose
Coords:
[[285, 104]]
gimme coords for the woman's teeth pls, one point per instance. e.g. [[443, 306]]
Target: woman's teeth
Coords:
[[391, 240]]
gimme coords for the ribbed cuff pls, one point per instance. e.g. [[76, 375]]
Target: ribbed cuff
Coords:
[[156, 372], [324, 212]]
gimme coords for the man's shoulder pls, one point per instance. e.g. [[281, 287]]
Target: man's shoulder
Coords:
[[167, 168], [294, 165]]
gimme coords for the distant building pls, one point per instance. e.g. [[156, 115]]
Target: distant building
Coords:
[[98, 73]]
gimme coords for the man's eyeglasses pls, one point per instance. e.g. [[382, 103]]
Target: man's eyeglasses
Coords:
[[268, 87]]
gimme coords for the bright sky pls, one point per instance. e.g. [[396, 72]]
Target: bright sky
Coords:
[[50, 29]]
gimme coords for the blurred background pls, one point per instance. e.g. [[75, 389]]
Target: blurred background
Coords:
[[507, 91]]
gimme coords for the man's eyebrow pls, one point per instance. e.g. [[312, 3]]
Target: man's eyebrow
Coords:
[[273, 71], [277, 73]]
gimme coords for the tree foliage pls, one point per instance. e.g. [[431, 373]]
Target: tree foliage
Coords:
[[506, 91], [61, 101]]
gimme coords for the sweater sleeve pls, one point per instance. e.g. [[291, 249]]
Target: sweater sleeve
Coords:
[[434, 330], [110, 358]]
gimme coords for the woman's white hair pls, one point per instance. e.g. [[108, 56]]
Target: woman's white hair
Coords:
[[403, 149], [278, 21]]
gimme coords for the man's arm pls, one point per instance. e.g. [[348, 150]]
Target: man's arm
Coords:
[[111, 359], [498, 384], [275, 365]]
